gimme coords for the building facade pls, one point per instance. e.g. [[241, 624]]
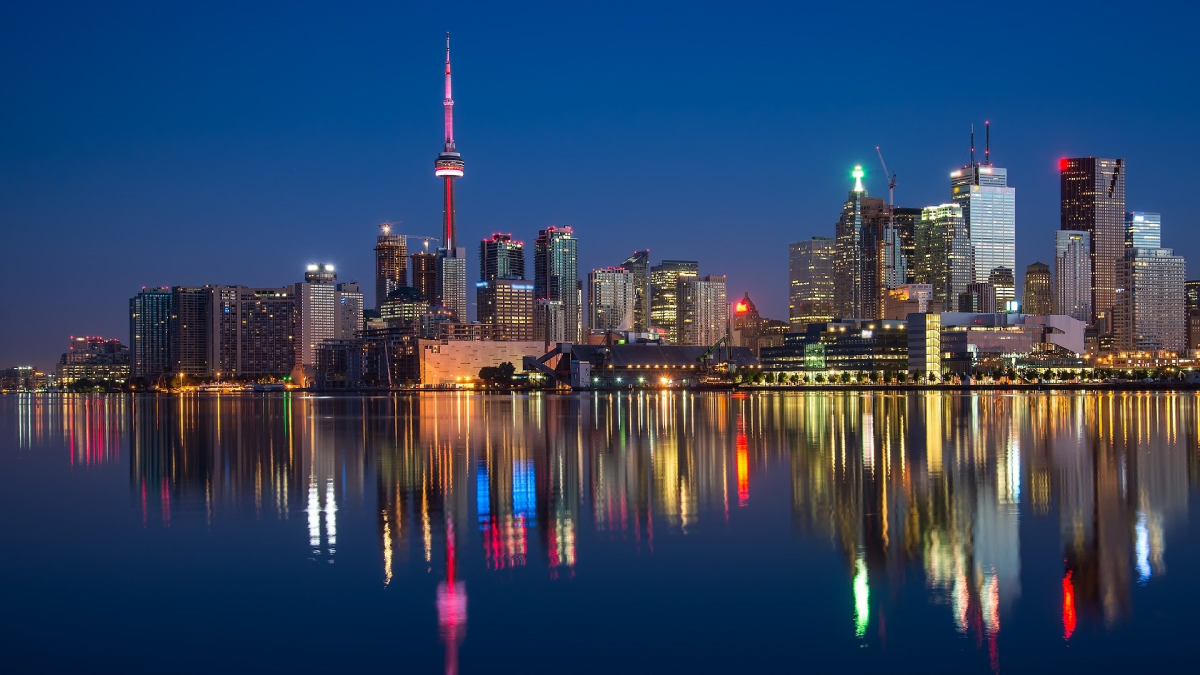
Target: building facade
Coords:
[[665, 281], [150, 313], [638, 265], [703, 310], [1143, 230], [864, 250], [316, 311], [1092, 192], [556, 279], [391, 263], [944, 254], [1073, 274], [989, 212], [810, 281], [1151, 311], [424, 275], [1038, 295], [452, 282], [501, 258], [507, 304], [612, 296]]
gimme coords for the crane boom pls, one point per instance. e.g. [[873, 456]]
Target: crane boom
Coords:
[[891, 179]]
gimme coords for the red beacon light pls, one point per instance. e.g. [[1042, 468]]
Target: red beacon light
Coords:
[[741, 307], [1062, 164]]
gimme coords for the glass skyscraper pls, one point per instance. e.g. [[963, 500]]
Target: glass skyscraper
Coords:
[[639, 265], [1143, 230], [989, 210], [1092, 191], [556, 278], [944, 255], [810, 281]]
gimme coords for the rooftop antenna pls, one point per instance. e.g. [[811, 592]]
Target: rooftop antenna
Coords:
[[972, 144], [987, 143]]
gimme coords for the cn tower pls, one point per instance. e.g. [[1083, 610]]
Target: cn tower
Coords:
[[449, 165]]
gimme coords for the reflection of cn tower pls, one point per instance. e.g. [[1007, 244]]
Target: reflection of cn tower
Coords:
[[451, 604]]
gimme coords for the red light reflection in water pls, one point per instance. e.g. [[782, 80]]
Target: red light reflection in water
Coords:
[[743, 463], [1068, 606]]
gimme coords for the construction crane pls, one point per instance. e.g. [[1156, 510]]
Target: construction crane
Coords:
[[426, 240], [891, 180]]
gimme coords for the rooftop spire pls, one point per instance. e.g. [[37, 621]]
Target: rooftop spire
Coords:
[[858, 176], [448, 102]]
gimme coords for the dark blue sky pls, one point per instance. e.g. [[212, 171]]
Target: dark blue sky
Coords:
[[146, 144]]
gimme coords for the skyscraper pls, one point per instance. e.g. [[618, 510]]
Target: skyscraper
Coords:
[[391, 263], [1150, 313], [190, 333], [1143, 230], [348, 303], [451, 263], [703, 309], [556, 278], [1002, 280], [665, 279], [501, 258], [1038, 294], [810, 281], [424, 274], [639, 265], [1073, 274], [944, 255], [150, 332], [989, 211], [1092, 191], [611, 299], [316, 315], [865, 250]]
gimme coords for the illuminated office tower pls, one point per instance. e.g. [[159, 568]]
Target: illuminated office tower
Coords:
[[1143, 230], [906, 219], [1038, 294], [348, 302], [703, 310], [611, 299], [665, 280], [316, 315], [989, 211], [1191, 294], [810, 281], [556, 279], [639, 265], [424, 274], [863, 248], [1073, 274], [508, 304], [150, 332], [944, 255], [1151, 312], [501, 258], [1092, 191], [391, 263]]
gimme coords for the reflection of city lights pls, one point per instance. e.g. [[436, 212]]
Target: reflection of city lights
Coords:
[[862, 597], [1142, 548], [1068, 606]]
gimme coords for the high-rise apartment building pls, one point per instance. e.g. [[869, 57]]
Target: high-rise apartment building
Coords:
[[452, 282], [508, 304], [989, 211], [703, 310], [424, 275], [550, 321], [665, 279], [1092, 191], [611, 299], [638, 264], [316, 315], [944, 255], [1151, 311], [556, 278], [1143, 230], [810, 281], [1038, 294], [1073, 274], [348, 302], [150, 315], [906, 219], [1005, 283], [501, 258], [391, 263], [190, 332], [266, 335]]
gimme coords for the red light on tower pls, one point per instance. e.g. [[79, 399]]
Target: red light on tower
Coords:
[[741, 307], [1062, 164]]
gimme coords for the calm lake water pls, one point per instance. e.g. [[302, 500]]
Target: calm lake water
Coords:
[[675, 532]]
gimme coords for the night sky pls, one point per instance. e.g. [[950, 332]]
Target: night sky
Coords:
[[148, 145]]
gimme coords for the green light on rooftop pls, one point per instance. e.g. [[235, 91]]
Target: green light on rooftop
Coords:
[[858, 176]]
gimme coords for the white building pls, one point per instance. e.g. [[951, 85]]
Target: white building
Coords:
[[1073, 274], [703, 310], [316, 318], [611, 299], [989, 209]]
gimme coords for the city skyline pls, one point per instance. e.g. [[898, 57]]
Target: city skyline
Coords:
[[92, 182]]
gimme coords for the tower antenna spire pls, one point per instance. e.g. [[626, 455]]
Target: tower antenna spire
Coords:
[[448, 102], [987, 143], [972, 140]]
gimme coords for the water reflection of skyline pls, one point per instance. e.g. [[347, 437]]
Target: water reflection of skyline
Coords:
[[906, 487]]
